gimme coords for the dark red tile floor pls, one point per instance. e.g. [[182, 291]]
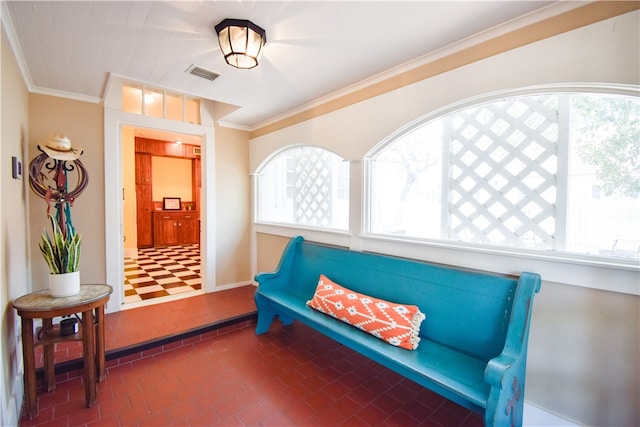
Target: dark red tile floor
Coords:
[[230, 377]]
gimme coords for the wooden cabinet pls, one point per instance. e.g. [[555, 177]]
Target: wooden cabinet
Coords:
[[144, 207], [188, 228], [175, 228], [196, 183], [165, 148], [143, 168], [164, 228], [144, 202]]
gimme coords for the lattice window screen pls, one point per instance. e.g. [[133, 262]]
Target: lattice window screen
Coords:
[[502, 173], [313, 188]]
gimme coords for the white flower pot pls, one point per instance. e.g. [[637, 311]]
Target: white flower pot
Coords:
[[64, 285]]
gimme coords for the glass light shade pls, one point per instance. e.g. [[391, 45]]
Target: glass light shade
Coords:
[[241, 42]]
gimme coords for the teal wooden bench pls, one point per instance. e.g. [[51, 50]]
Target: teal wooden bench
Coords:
[[473, 342]]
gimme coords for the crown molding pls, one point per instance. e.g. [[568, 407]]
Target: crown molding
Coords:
[[10, 31], [63, 94]]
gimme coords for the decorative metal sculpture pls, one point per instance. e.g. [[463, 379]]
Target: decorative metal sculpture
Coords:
[[48, 177]]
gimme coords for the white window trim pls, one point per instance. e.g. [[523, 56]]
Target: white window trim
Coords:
[[256, 184], [329, 237], [600, 273]]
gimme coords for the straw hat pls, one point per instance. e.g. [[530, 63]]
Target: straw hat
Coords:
[[59, 147]]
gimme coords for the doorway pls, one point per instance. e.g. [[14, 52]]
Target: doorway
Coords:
[[114, 121], [161, 176]]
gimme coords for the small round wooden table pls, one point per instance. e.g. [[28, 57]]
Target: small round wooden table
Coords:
[[41, 305]]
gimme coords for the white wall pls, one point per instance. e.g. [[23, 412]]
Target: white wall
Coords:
[[584, 353], [171, 177], [15, 279]]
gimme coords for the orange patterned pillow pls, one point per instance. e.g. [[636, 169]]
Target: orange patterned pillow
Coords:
[[397, 324]]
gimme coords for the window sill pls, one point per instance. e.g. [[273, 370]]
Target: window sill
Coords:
[[597, 273], [601, 273]]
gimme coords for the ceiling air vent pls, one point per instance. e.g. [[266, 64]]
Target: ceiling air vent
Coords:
[[202, 73]]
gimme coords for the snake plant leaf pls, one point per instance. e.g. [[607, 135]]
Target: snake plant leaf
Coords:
[[61, 254], [47, 253]]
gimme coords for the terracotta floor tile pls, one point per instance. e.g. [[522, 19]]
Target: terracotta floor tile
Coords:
[[109, 421], [400, 419], [417, 411], [254, 415], [386, 403], [84, 416], [319, 400], [354, 421], [326, 417], [300, 412], [337, 389], [65, 408], [473, 420], [180, 412], [372, 415], [228, 407], [206, 417], [446, 417], [133, 415], [156, 420], [115, 406]]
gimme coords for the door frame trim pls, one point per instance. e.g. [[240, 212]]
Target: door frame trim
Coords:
[[114, 120]]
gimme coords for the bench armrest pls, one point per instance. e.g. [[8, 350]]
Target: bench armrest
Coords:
[[505, 373], [281, 277]]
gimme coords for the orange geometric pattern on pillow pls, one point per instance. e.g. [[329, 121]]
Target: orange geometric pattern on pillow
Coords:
[[397, 324]]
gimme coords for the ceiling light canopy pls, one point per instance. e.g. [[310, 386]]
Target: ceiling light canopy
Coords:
[[241, 42]]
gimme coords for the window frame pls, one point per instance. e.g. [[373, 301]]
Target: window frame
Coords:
[[563, 159], [286, 228]]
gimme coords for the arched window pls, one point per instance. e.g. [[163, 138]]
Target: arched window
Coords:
[[551, 172], [307, 186]]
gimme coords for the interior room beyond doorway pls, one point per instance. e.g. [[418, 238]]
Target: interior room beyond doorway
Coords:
[[161, 212]]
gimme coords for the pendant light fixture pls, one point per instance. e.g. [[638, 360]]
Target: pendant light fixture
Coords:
[[241, 42]]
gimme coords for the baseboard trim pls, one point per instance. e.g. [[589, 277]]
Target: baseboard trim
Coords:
[[535, 416]]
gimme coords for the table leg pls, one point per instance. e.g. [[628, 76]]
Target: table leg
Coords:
[[88, 350], [49, 367], [100, 344], [29, 368]]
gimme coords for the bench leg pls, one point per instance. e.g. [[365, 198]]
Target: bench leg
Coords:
[[266, 315], [286, 320], [265, 318]]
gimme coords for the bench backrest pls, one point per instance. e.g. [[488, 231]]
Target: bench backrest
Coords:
[[465, 310]]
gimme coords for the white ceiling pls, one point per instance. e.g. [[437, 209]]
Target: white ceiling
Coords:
[[314, 48]]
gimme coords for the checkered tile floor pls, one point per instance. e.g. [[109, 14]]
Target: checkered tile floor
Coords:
[[160, 272]]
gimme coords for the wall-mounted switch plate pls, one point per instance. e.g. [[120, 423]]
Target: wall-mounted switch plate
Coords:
[[16, 168]]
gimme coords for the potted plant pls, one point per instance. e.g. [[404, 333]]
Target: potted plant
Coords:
[[62, 255]]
